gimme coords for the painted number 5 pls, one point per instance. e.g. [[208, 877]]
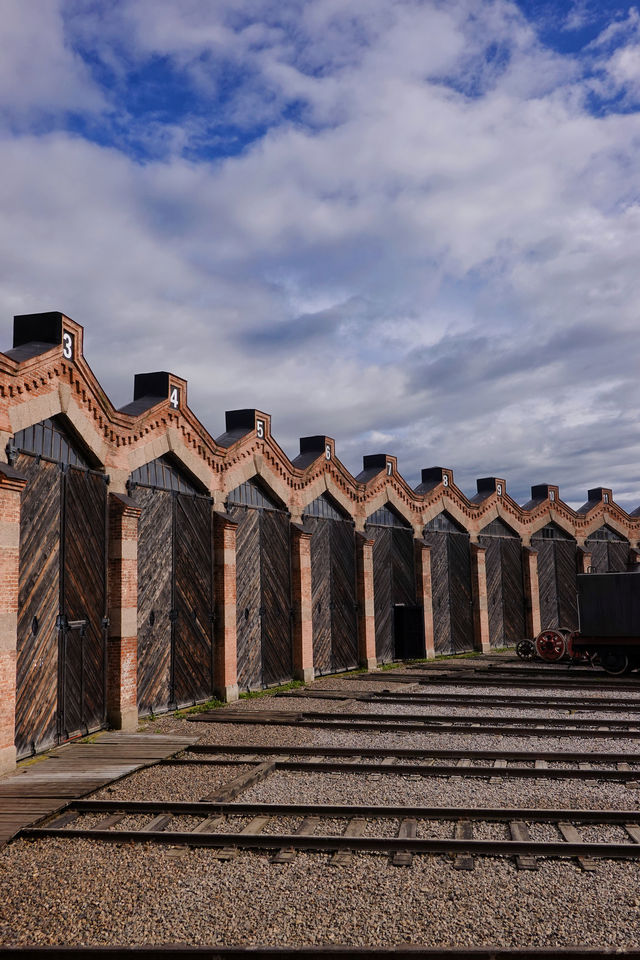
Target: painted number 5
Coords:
[[260, 429], [67, 345]]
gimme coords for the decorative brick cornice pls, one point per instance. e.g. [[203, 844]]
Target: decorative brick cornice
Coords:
[[49, 383]]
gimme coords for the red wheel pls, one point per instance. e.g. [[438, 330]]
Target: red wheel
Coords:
[[578, 656], [550, 645]]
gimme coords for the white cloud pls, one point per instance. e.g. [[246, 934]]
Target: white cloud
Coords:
[[39, 73], [455, 271]]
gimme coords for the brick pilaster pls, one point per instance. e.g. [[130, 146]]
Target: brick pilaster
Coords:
[[122, 644], [531, 592], [480, 605], [583, 560], [302, 608], [11, 487], [422, 552], [366, 610], [225, 669]]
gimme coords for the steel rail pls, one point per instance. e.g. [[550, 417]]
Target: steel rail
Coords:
[[332, 751], [615, 724], [419, 698], [332, 811], [553, 680], [490, 848], [428, 770], [428, 727]]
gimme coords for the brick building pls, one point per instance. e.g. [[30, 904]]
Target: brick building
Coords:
[[147, 565]]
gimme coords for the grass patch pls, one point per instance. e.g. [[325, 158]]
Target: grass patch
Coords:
[[282, 688]]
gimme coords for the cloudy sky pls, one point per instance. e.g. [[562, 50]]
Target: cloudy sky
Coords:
[[413, 225]]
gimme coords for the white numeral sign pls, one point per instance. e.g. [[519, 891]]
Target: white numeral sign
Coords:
[[67, 345]]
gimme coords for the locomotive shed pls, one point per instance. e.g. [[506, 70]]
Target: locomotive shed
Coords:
[[289, 835], [148, 566]]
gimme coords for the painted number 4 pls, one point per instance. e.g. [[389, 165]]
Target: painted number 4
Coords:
[[67, 345], [174, 398]]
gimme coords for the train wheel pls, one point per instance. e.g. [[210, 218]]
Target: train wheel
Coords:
[[614, 662], [526, 649], [550, 645], [578, 656]]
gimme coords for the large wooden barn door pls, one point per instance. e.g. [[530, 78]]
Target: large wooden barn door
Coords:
[[62, 589], [393, 574], [344, 626], [277, 659], [248, 601], [155, 587], [84, 602], [557, 582], [333, 587], [38, 606], [263, 587], [450, 585], [505, 585], [193, 599], [321, 592], [175, 588], [609, 551]]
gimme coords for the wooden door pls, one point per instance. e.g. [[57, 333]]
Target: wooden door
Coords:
[[155, 598], [275, 564], [505, 585], [84, 602], [494, 588], [547, 586], [460, 593], [452, 600], [320, 592], [557, 558], [566, 575], [38, 606], [248, 597], [513, 603], [344, 624], [438, 540], [193, 678], [383, 590]]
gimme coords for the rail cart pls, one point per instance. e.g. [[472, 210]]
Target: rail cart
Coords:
[[609, 626]]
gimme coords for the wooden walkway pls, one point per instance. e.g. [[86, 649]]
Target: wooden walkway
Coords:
[[74, 770]]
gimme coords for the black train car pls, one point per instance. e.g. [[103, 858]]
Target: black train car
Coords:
[[609, 611]]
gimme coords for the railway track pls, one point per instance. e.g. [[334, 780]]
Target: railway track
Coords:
[[418, 723], [574, 704], [401, 831], [544, 680], [417, 763]]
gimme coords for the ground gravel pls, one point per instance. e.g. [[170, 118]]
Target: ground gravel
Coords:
[[79, 892]]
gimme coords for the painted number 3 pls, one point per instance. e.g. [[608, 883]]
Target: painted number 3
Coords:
[[174, 398], [67, 346]]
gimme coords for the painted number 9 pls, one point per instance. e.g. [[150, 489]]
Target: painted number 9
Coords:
[[67, 345], [174, 398]]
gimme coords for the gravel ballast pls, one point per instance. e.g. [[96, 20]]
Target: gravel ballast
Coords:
[[74, 891]]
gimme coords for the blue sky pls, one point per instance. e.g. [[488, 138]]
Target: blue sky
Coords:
[[411, 225]]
